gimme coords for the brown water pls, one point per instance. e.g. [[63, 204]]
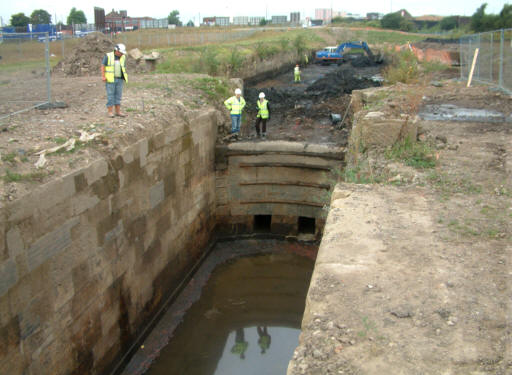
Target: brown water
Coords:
[[247, 320]]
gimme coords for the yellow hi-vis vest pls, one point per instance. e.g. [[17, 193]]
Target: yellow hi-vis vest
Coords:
[[234, 105], [109, 68], [262, 109]]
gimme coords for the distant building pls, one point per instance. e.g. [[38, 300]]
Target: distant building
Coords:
[[279, 20], [323, 14], [374, 16], [216, 21], [295, 17], [222, 21], [255, 20], [119, 21], [209, 21], [99, 18], [241, 20]]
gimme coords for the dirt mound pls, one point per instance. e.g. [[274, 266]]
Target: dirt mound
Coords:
[[342, 81], [86, 57]]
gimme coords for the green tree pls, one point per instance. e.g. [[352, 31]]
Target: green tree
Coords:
[[40, 16], [76, 17], [407, 25], [263, 22], [19, 19], [449, 23], [485, 22], [391, 21], [506, 17], [174, 18], [190, 23]]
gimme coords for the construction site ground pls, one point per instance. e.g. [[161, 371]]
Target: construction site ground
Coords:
[[414, 273]]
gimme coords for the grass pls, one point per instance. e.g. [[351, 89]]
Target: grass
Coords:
[[10, 157], [214, 89], [452, 184], [414, 154], [18, 177], [404, 68]]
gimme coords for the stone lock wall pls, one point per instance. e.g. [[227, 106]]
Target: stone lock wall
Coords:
[[286, 180], [85, 260]]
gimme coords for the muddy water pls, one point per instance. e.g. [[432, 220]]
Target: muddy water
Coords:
[[247, 319]]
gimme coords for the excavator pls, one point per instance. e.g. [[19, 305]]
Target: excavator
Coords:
[[337, 54]]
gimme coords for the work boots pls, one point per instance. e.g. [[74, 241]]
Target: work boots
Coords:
[[118, 111]]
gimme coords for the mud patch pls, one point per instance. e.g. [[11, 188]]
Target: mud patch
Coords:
[[450, 112], [302, 111]]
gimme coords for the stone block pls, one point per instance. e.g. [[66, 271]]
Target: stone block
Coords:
[[50, 244], [156, 194], [56, 191], [143, 151], [15, 244], [8, 275], [83, 202]]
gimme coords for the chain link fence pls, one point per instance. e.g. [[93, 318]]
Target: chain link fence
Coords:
[[494, 61], [24, 72]]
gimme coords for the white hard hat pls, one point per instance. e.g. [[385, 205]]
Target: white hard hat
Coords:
[[238, 92], [121, 48], [261, 95]]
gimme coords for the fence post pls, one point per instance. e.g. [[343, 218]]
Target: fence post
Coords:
[[492, 53], [461, 58], [47, 58], [479, 48], [502, 45]]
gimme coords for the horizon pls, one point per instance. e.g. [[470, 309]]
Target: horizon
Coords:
[[229, 8]]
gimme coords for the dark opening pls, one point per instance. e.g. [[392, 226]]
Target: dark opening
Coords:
[[306, 225], [262, 223]]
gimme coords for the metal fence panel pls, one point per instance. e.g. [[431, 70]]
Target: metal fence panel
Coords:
[[494, 62], [24, 72]]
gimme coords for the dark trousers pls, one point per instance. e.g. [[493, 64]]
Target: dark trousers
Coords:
[[263, 125]]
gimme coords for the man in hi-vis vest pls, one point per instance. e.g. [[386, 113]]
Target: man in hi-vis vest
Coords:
[[235, 105], [263, 115], [113, 72]]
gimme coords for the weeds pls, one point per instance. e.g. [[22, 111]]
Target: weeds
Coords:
[[17, 177], [235, 61], [404, 68], [10, 157], [414, 154], [215, 89], [264, 50]]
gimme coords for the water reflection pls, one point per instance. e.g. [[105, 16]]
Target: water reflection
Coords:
[[246, 322]]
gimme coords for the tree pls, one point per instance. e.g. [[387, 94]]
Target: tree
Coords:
[[40, 16], [485, 22], [506, 16], [449, 23], [76, 17], [174, 18], [391, 21], [19, 19], [190, 23], [263, 22]]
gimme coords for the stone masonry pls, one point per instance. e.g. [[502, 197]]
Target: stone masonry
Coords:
[[86, 260]]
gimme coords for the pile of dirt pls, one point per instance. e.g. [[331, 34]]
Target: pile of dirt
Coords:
[[86, 57], [342, 81]]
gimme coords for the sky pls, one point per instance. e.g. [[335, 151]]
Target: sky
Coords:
[[195, 9]]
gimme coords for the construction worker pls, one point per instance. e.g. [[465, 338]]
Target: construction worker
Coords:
[[113, 72], [235, 105], [296, 73], [262, 116]]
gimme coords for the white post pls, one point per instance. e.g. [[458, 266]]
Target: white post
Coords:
[[472, 68]]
